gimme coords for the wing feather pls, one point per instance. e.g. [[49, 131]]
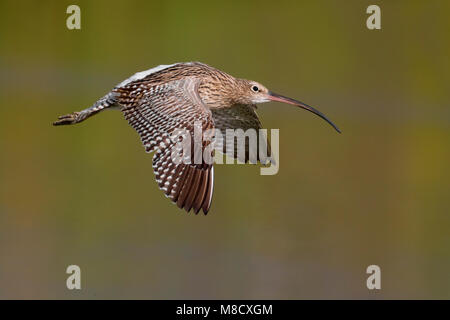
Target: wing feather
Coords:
[[156, 111], [240, 117]]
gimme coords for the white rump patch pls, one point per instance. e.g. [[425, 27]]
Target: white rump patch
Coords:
[[143, 74]]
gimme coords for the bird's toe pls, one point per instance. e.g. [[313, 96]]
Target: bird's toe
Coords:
[[66, 119]]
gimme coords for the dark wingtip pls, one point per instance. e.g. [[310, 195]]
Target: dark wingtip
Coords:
[[206, 207]]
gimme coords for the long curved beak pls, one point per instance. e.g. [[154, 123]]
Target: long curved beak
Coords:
[[277, 97]]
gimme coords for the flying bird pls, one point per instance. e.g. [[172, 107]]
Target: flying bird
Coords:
[[158, 101]]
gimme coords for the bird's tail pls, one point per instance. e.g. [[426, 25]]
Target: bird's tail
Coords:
[[107, 101]]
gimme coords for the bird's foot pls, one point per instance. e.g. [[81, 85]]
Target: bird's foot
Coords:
[[71, 118]]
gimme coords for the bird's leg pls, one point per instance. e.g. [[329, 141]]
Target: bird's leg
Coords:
[[79, 116], [76, 117]]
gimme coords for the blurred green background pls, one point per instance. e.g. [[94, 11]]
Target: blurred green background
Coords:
[[86, 195]]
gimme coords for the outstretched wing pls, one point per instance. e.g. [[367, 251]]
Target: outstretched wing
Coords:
[[240, 117], [156, 111]]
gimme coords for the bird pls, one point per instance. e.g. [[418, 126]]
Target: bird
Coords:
[[157, 101]]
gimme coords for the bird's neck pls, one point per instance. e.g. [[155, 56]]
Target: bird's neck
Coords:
[[218, 93]]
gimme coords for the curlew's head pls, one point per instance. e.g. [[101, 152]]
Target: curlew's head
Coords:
[[252, 92]]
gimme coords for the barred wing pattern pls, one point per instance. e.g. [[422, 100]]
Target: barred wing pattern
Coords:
[[155, 111], [240, 117]]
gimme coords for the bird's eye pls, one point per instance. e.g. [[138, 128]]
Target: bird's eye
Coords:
[[255, 88]]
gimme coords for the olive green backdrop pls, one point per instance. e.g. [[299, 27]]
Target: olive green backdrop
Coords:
[[85, 195]]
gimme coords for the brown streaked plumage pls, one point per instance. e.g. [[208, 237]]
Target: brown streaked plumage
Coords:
[[158, 101]]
